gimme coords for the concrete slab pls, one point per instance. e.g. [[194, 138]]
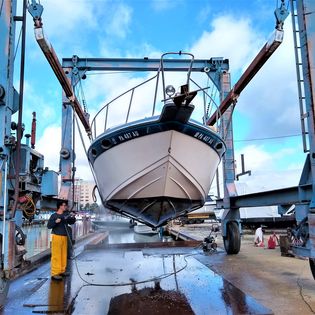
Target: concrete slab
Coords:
[[206, 292], [101, 275], [284, 284], [256, 281]]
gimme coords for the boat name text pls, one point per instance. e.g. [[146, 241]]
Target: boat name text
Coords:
[[129, 135], [203, 137]]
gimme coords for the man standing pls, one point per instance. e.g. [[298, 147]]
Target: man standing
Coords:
[[58, 223]]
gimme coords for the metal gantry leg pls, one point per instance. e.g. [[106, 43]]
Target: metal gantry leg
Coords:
[[231, 228], [303, 15], [66, 152], [8, 96]]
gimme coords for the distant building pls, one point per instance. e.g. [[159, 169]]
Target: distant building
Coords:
[[83, 192]]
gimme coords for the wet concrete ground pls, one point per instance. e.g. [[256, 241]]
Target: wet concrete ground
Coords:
[[283, 284], [100, 275], [107, 272], [256, 281]]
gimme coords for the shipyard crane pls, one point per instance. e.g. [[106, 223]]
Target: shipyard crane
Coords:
[[303, 195], [76, 68], [231, 217]]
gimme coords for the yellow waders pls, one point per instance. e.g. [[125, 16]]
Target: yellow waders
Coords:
[[58, 254]]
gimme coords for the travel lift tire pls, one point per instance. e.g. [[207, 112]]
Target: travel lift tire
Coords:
[[312, 266], [232, 240]]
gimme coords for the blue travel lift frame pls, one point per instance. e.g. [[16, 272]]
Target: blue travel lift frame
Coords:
[[303, 195], [76, 67]]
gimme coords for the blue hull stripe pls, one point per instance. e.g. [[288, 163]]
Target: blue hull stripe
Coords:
[[115, 137]]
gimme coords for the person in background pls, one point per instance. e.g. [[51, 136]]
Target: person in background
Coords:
[[58, 224], [273, 241], [259, 237]]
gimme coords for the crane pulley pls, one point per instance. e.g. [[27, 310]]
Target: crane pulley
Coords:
[[281, 14]]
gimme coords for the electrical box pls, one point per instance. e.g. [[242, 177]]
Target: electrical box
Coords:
[[49, 183]]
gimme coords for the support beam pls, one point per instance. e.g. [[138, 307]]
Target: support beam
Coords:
[[66, 153], [228, 160], [213, 67], [285, 196], [264, 54], [52, 58], [145, 64]]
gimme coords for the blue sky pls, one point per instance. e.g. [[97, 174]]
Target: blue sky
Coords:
[[232, 29]]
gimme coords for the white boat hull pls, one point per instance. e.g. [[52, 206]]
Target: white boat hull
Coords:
[[169, 168]]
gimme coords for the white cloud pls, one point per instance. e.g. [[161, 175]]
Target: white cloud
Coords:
[[120, 21], [264, 165], [66, 17], [83, 169], [268, 180], [49, 145], [256, 157], [273, 91], [269, 103], [45, 107], [231, 38], [138, 51], [273, 94]]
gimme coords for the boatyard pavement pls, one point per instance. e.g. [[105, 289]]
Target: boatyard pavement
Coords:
[[283, 284], [256, 281]]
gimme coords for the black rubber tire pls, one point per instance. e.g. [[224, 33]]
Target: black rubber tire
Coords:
[[312, 266], [232, 240], [20, 237]]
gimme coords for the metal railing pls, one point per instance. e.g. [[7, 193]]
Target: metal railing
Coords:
[[160, 72]]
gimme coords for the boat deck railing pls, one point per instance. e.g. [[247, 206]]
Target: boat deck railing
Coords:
[[106, 106], [100, 124]]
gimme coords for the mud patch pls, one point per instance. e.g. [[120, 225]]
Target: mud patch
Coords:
[[150, 301]]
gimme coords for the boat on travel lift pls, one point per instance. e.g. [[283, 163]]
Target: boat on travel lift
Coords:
[[158, 168]]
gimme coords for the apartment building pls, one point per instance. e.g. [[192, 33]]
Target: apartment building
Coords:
[[83, 192]]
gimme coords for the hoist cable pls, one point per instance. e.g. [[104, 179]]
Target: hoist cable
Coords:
[[83, 96], [206, 94], [18, 43], [269, 138], [85, 151], [73, 159]]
